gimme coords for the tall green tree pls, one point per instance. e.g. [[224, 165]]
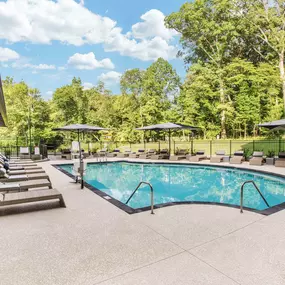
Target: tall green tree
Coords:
[[209, 35], [132, 84], [268, 20], [160, 85]]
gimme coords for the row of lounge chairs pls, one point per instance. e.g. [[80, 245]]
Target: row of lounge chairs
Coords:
[[238, 157], [23, 181], [152, 154]]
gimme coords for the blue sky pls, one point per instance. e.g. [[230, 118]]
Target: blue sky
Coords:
[[47, 42]]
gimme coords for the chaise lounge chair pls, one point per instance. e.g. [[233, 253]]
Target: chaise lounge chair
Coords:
[[200, 155], [238, 157], [148, 154], [4, 177], [102, 152], [280, 161], [24, 171], [163, 154], [137, 154], [24, 185], [19, 163], [23, 167], [31, 196], [7, 166], [124, 154], [181, 154], [257, 158], [114, 153], [24, 153], [218, 157]]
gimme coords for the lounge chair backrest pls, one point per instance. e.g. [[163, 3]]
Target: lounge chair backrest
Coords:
[[75, 146], [37, 150], [181, 152], [257, 154], [103, 150], [24, 150], [200, 152], [239, 153], [164, 151], [116, 150], [220, 152], [128, 150], [281, 154], [152, 151], [141, 150]]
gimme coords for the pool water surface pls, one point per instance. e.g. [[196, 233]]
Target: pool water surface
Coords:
[[182, 183]]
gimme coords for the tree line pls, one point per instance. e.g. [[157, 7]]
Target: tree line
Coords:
[[234, 54]]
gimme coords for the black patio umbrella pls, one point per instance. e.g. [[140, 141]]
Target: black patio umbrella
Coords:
[[169, 127], [274, 125], [79, 129]]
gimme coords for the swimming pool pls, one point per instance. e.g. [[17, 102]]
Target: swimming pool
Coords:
[[182, 183]]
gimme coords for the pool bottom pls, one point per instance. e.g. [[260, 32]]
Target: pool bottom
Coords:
[[130, 210]]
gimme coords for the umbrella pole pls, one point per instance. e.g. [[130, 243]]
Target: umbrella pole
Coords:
[[80, 161], [169, 142]]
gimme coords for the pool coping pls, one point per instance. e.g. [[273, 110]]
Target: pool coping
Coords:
[[130, 210]]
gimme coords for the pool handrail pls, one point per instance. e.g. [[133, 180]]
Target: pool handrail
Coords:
[[151, 194], [241, 194]]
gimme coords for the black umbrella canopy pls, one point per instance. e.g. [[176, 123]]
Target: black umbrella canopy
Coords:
[[274, 125], [167, 126], [80, 128]]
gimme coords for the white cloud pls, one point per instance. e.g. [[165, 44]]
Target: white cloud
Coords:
[[41, 66], [110, 78], [62, 68], [144, 50], [81, 2], [7, 54], [152, 26], [88, 61], [68, 21], [44, 21], [23, 64], [87, 85]]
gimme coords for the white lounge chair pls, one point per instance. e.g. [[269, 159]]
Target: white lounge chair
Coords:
[[257, 158], [24, 153], [181, 154], [280, 161], [238, 157], [15, 178], [24, 185], [200, 155], [31, 196], [114, 153], [218, 157], [163, 154], [124, 154], [148, 154], [137, 154]]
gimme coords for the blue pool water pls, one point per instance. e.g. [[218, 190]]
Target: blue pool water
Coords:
[[173, 183]]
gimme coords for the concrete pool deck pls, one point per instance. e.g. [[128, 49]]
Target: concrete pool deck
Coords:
[[93, 242]]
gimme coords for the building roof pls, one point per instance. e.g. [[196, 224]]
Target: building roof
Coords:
[[3, 113]]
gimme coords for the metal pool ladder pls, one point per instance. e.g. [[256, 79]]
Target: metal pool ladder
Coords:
[[241, 194], [151, 194]]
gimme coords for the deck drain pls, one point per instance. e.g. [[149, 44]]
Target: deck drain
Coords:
[[107, 197]]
